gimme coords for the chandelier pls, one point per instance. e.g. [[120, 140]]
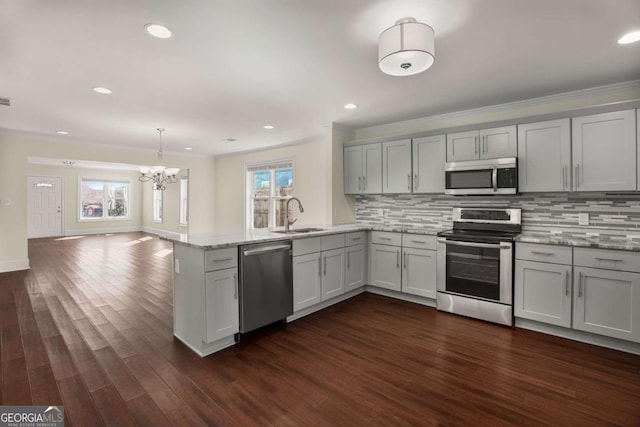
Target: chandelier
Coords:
[[160, 175]]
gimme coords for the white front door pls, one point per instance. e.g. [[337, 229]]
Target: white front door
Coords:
[[45, 206]]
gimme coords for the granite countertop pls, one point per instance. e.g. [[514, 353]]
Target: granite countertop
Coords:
[[208, 241], [601, 240]]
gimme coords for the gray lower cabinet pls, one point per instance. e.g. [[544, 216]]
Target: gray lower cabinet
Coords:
[[318, 270], [543, 292], [205, 297], [385, 267], [355, 267], [404, 262], [221, 302], [307, 276], [607, 302], [419, 272]]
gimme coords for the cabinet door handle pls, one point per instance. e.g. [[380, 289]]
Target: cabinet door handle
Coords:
[[319, 265], [385, 238], [348, 253], [355, 239], [408, 181], [542, 253], [577, 177], [222, 259], [566, 283], [484, 144], [418, 241], [475, 145], [608, 259], [564, 177], [325, 265], [404, 255], [415, 181], [235, 287], [398, 258], [579, 285]]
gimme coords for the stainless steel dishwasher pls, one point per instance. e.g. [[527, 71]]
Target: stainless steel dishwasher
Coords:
[[266, 284]]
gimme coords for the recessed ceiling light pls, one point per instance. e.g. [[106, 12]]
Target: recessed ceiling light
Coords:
[[230, 139], [188, 148], [631, 37], [269, 127], [62, 132], [350, 106], [157, 30], [102, 90]]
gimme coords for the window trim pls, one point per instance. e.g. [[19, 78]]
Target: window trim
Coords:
[[104, 180], [160, 218], [262, 165], [183, 203]]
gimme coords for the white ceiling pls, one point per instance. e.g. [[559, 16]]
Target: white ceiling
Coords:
[[233, 66]]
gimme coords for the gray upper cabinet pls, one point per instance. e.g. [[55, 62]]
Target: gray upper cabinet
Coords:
[[363, 169], [462, 146], [483, 144], [396, 166], [428, 164], [544, 156], [638, 146], [604, 151]]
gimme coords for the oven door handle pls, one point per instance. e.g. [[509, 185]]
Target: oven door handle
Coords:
[[475, 245]]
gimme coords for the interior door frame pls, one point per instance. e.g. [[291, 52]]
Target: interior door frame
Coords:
[[62, 200]]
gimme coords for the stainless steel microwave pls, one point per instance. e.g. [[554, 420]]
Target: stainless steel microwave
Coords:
[[475, 177]]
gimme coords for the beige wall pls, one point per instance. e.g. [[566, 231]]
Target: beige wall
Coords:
[[311, 168], [15, 147], [71, 211]]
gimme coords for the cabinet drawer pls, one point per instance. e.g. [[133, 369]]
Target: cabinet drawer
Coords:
[[419, 241], [544, 253], [220, 259], [306, 246], [333, 241], [607, 259], [386, 238], [357, 238]]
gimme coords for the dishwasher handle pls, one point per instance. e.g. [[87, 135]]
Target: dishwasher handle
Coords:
[[265, 249]]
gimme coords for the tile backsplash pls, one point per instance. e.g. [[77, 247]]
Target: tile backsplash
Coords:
[[613, 212]]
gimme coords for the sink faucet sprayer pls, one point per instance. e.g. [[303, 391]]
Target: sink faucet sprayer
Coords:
[[287, 222]]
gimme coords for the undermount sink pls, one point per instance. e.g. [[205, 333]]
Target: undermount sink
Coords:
[[299, 230]]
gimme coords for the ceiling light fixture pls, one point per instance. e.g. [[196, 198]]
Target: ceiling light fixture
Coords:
[[160, 175], [268, 127], [102, 90], [62, 132], [350, 106], [232, 139], [68, 163], [407, 48], [631, 37], [158, 30], [188, 148]]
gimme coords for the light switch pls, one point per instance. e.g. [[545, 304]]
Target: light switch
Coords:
[[5, 202]]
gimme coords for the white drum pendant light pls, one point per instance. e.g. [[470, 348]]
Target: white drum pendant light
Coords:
[[407, 48]]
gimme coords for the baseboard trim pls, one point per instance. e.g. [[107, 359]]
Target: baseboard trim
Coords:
[[14, 265], [105, 230], [586, 337], [402, 296]]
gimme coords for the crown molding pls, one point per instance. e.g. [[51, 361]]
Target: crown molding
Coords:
[[433, 121]]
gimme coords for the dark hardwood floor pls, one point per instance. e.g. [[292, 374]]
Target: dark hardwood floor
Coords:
[[90, 327]]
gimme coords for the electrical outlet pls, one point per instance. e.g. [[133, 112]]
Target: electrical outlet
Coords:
[[177, 266], [5, 202], [583, 219]]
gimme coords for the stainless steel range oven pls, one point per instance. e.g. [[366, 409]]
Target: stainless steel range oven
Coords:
[[475, 264]]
